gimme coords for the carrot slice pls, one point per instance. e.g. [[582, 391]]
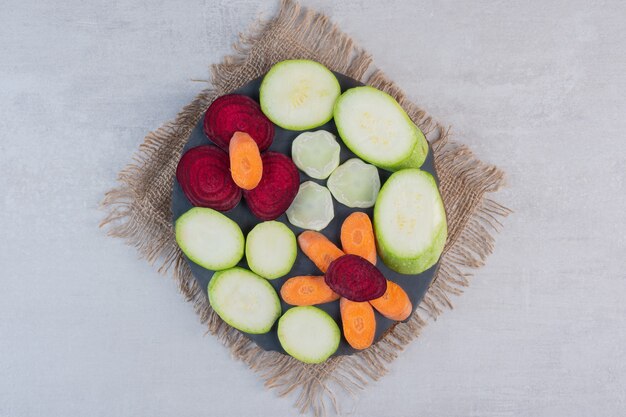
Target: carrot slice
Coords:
[[246, 166], [307, 290], [358, 322], [394, 303], [319, 249], [357, 236]]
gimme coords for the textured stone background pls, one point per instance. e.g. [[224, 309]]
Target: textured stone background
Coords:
[[539, 88]]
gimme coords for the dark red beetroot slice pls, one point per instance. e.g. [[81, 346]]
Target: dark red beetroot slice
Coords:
[[355, 278], [277, 189], [237, 113], [204, 175]]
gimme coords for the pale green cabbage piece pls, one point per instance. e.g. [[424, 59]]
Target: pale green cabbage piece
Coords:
[[312, 208], [316, 153], [355, 183]]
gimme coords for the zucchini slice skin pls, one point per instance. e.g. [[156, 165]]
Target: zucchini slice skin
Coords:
[[308, 334], [244, 300], [376, 128], [410, 222], [299, 94], [209, 238], [271, 249]]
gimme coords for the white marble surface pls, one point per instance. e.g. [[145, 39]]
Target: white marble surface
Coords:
[[537, 87]]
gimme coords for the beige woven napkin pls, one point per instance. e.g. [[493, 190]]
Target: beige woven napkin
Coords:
[[139, 209]]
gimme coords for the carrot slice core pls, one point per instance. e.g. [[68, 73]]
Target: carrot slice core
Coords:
[[394, 303], [246, 166], [319, 249], [307, 290], [358, 322], [357, 236]]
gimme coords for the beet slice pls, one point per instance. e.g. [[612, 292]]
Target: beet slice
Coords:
[[237, 113], [355, 278], [204, 176], [277, 189]]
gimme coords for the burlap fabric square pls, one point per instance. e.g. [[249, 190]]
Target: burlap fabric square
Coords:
[[138, 210]]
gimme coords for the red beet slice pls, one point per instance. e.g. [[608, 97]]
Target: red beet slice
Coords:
[[355, 278], [237, 113], [204, 175], [277, 189]]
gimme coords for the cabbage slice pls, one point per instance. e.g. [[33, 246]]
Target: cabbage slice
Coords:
[[312, 208], [316, 153], [355, 183]]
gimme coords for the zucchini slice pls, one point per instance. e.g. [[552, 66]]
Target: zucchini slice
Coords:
[[308, 334], [209, 238], [375, 127], [244, 300], [299, 94], [271, 249], [410, 222]]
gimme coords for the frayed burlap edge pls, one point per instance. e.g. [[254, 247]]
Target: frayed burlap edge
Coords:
[[139, 209]]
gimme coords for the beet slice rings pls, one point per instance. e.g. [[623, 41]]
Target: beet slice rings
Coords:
[[355, 278], [237, 113], [204, 176], [278, 187]]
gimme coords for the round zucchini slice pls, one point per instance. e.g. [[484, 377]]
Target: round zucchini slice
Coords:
[[308, 334], [299, 94]]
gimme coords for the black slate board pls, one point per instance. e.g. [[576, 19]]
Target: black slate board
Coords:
[[415, 285]]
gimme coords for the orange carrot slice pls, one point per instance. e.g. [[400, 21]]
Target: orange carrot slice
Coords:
[[246, 166], [358, 322], [394, 303], [319, 249], [357, 236], [307, 290]]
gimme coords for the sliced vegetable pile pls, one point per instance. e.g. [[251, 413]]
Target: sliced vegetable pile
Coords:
[[352, 278], [408, 229]]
